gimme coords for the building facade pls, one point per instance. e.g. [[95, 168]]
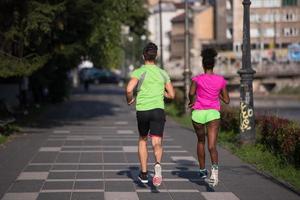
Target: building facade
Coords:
[[274, 24], [168, 11], [200, 31]]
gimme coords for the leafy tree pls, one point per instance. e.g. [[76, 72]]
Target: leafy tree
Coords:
[[46, 38], [26, 28]]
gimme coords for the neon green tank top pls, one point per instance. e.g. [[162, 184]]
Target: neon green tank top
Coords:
[[151, 87]]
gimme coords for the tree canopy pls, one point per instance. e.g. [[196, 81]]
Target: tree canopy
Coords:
[[42, 33]]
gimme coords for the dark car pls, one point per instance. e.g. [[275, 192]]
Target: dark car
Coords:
[[97, 76]]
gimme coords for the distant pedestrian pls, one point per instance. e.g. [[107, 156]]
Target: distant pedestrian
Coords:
[[206, 91], [153, 84], [86, 80]]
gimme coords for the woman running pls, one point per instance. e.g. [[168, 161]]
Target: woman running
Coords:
[[208, 88]]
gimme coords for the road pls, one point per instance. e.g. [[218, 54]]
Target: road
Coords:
[[85, 148]]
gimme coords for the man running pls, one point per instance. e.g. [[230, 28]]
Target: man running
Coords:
[[152, 84]]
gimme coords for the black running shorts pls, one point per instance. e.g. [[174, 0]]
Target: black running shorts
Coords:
[[151, 122]]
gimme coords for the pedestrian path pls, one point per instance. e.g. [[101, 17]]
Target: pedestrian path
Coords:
[[99, 161], [90, 153]]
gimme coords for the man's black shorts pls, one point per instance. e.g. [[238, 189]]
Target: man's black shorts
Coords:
[[151, 122]]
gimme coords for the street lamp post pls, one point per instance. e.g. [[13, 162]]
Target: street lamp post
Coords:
[[247, 119], [161, 35], [187, 69]]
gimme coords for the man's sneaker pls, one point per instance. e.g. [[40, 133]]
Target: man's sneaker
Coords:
[[203, 173], [143, 177], [213, 180], [157, 179]]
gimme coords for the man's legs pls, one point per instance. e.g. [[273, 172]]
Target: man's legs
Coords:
[[156, 132], [143, 153], [143, 126], [157, 148]]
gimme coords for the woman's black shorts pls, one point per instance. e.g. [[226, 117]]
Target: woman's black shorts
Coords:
[[151, 122]]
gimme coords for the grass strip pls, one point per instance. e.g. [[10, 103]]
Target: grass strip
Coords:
[[263, 160]]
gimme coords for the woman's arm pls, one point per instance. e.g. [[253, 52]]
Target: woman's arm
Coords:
[[224, 96], [169, 93], [192, 93], [129, 90]]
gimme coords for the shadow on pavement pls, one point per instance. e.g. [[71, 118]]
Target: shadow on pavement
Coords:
[[133, 173], [101, 90], [99, 101], [74, 112], [193, 176]]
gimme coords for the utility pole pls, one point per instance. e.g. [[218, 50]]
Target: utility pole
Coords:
[[274, 39], [161, 35], [261, 42], [247, 119], [187, 69]]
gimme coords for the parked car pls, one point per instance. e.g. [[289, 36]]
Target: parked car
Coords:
[[97, 76]]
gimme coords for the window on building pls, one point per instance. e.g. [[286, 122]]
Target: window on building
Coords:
[[266, 46], [290, 31], [286, 31], [254, 32], [269, 32], [256, 17], [277, 17], [289, 2], [229, 33], [265, 3], [236, 48], [229, 4]]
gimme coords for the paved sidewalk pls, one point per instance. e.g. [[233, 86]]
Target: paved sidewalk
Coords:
[[89, 151]]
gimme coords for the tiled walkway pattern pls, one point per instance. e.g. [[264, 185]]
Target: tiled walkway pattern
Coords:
[[99, 161]]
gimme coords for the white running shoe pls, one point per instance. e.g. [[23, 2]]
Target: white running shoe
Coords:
[[157, 179], [213, 180]]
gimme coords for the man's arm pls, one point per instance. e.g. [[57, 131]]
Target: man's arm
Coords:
[[169, 93], [129, 90]]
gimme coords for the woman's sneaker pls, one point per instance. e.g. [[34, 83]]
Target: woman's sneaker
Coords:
[[143, 177], [157, 179], [203, 173], [213, 180]]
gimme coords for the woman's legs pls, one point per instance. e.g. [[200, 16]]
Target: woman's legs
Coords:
[[212, 135], [200, 132]]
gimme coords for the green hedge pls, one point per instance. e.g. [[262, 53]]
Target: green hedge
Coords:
[[280, 136], [8, 129]]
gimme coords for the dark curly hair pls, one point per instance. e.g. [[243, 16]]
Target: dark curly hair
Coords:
[[208, 58], [150, 52]]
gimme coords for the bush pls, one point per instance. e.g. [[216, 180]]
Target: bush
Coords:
[[229, 119], [281, 136], [8, 129], [175, 108]]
